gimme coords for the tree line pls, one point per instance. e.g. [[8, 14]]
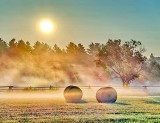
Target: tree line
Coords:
[[25, 47], [124, 60]]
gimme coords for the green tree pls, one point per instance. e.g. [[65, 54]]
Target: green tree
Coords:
[[37, 47], [154, 70], [28, 47], [122, 60], [81, 48], [93, 49], [41, 48], [13, 43], [45, 47], [3, 46], [57, 49], [21, 45], [72, 48], [151, 56]]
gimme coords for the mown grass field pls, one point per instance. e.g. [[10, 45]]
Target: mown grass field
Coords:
[[126, 110]]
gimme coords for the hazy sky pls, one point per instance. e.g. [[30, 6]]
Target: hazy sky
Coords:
[[83, 21]]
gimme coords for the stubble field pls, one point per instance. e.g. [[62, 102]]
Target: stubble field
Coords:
[[128, 109]]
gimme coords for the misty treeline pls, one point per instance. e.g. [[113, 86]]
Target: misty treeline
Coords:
[[44, 65], [41, 64]]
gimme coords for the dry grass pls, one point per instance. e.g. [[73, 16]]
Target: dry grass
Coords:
[[126, 109]]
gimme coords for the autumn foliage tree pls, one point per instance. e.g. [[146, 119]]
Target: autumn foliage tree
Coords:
[[123, 60]]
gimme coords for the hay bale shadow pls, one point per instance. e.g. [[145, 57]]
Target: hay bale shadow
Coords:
[[79, 102], [120, 103], [83, 101], [152, 102]]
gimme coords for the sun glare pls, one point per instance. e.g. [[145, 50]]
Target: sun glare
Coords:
[[46, 26]]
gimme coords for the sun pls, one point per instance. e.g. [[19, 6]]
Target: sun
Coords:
[[46, 26]]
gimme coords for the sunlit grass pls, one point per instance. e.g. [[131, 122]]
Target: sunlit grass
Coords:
[[126, 109]]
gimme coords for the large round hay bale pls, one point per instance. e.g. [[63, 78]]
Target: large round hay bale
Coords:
[[106, 95], [73, 94]]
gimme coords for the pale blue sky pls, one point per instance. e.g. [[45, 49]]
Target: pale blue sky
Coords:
[[83, 21]]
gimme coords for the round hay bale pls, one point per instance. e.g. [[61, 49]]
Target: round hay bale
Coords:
[[106, 95], [73, 94]]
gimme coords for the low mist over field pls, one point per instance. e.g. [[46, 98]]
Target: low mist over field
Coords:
[[47, 72], [88, 93]]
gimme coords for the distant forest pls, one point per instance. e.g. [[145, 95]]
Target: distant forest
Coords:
[[42, 64]]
